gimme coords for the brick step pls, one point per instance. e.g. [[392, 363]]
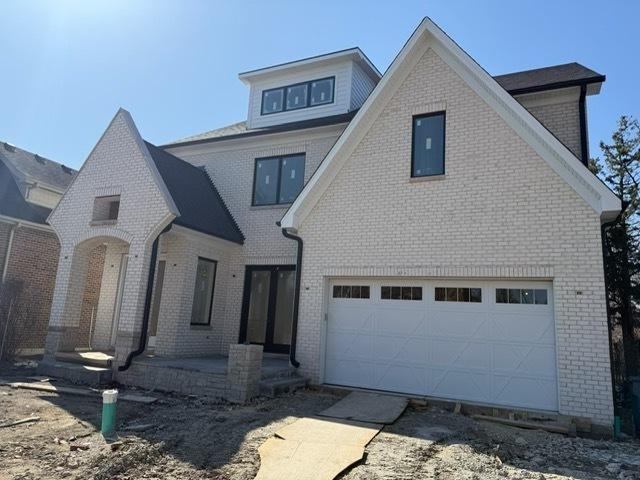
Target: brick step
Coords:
[[76, 373], [274, 386]]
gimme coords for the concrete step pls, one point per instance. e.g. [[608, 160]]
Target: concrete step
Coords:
[[271, 387], [93, 359], [75, 373]]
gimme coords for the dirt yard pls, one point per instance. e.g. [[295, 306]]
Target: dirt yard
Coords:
[[193, 438]]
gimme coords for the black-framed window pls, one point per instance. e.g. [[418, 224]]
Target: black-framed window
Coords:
[[278, 180], [427, 145], [525, 296], [203, 291], [400, 293], [300, 95], [458, 294], [351, 291]]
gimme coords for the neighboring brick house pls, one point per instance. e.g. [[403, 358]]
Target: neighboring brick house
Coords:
[[30, 186], [446, 225]]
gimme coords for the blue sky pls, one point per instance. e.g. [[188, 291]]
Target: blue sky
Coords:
[[67, 65]]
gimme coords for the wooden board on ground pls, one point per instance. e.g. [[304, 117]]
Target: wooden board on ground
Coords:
[[43, 387], [368, 407], [331, 431], [280, 459]]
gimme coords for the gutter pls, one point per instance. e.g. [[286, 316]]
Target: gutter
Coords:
[[582, 107], [296, 297], [142, 344], [7, 253]]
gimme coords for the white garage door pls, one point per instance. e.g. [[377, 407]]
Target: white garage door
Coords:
[[486, 342]]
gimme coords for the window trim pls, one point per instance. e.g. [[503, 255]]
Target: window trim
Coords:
[[444, 142], [284, 95], [213, 291], [255, 176]]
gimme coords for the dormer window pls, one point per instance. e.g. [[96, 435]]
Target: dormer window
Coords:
[[106, 209], [299, 95]]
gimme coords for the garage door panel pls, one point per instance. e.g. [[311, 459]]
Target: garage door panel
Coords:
[[526, 392], [461, 384], [400, 349], [485, 352], [459, 324], [522, 327], [460, 354], [400, 323], [536, 359], [400, 378], [350, 345]]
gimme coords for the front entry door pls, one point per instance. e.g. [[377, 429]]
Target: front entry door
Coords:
[[267, 307]]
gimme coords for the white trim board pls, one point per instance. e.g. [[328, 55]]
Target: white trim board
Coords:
[[429, 35]]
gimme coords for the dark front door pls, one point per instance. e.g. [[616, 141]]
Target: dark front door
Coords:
[[267, 306]]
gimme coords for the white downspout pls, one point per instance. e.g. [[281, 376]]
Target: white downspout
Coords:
[[5, 266]]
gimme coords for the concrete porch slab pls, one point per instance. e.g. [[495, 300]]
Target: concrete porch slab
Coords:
[[214, 364], [91, 358]]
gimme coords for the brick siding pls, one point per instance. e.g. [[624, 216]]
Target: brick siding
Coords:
[[500, 210]]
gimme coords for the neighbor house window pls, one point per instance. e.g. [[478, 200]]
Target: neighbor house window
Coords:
[[299, 95], [458, 294], [106, 209], [400, 293], [278, 180], [427, 157], [203, 291], [527, 296]]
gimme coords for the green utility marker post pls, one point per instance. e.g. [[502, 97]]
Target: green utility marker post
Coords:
[[109, 399]]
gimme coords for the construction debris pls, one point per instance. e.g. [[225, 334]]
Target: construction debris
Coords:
[[547, 427], [20, 422], [43, 387]]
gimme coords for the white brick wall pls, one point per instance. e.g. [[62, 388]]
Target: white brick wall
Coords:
[[116, 166], [499, 212], [232, 172], [563, 119]]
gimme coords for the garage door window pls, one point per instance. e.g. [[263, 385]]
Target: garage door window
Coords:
[[401, 293], [457, 294], [526, 296], [351, 291]]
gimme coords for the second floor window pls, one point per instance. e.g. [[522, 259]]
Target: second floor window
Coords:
[[427, 156], [278, 180]]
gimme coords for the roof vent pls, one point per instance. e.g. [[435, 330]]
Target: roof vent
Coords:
[[66, 169], [38, 159], [9, 147]]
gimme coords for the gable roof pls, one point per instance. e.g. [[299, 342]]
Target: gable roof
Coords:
[[30, 167], [200, 205], [13, 204], [557, 76], [429, 35]]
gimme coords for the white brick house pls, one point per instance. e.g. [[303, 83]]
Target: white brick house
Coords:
[[450, 232]]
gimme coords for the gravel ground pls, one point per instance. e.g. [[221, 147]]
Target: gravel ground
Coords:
[[193, 438]]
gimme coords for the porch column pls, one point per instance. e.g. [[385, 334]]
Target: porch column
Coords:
[[133, 298], [66, 304]]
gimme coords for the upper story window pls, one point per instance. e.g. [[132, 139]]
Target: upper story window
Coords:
[[278, 180], [427, 156], [299, 95], [106, 209]]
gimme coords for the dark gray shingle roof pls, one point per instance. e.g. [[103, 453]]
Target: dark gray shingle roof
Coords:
[[34, 167], [13, 204], [548, 77], [201, 206], [239, 129], [515, 83]]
